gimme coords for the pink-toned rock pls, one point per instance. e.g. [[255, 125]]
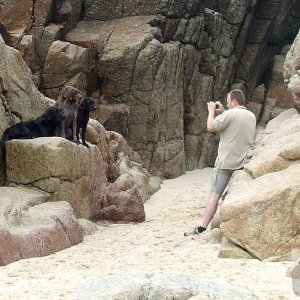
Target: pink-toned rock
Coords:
[[9, 251], [16, 14], [47, 228], [30, 226], [123, 201]]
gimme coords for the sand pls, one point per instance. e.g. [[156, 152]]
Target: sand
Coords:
[[157, 245]]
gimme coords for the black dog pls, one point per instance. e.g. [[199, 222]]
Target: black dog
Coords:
[[43, 126], [86, 106]]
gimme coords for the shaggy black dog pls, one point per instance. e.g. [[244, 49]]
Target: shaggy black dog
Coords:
[[43, 126], [85, 107]]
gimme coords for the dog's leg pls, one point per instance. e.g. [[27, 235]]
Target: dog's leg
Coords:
[[63, 132], [58, 131], [75, 129], [77, 133], [83, 131]]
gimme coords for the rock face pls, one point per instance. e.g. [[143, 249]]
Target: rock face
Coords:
[[32, 228], [19, 98], [153, 65], [261, 210]]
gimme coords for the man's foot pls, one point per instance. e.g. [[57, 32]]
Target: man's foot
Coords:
[[196, 230]]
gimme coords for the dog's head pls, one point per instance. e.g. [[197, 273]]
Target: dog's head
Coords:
[[88, 104], [54, 115], [69, 95]]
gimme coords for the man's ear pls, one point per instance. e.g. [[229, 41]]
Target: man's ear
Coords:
[[234, 103]]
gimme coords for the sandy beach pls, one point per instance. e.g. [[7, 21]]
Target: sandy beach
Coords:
[[157, 245]]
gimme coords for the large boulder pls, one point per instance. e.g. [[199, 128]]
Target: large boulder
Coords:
[[29, 227], [47, 228], [260, 212], [123, 201], [54, 165], [262, 218], [68, 172]]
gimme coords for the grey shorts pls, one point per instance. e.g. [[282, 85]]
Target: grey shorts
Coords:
[[219, 180]]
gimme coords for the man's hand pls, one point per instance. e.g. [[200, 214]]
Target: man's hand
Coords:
[[220, 107], [215, 106], [211, 106]]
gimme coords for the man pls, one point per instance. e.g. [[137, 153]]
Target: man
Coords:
[[237, 129]]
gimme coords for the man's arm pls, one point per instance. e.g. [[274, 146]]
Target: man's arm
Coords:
[[211, 106], [210, 120]]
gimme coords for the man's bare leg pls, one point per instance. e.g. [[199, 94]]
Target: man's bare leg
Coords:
[[210, 209]]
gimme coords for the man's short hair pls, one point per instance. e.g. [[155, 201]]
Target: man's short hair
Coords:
[[238, 95]]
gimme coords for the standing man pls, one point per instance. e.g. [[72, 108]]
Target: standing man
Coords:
[[237, 129]]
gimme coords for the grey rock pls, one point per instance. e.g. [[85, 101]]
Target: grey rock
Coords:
[[158, 286]]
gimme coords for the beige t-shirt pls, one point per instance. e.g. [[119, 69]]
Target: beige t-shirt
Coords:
[[237, 129]]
